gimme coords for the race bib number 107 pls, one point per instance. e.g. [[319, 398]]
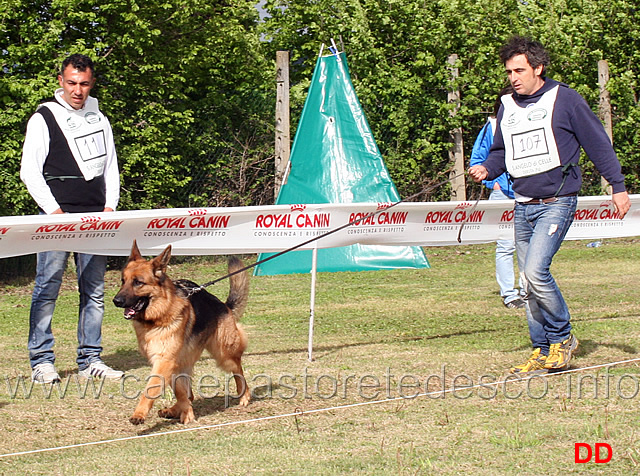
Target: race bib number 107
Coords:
[[529, 144]]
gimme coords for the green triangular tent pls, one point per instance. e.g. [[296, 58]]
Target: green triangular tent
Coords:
[[335, 159]]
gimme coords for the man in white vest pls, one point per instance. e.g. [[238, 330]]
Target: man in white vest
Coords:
[[69, 165], [542, 127]]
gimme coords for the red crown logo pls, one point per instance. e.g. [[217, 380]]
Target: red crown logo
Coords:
[[197, 212], [90, 219], [464, 205], [383, 205], [298, 208], [605, 203]]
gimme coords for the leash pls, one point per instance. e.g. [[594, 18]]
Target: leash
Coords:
[[468, 216], [330, 232]]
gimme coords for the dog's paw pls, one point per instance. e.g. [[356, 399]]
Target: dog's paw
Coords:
[[245, 399], [168, 412], [176, 412], [136, 420], [187, 416]]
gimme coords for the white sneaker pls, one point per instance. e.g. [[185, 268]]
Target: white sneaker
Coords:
[[45, 373], [100, 370]]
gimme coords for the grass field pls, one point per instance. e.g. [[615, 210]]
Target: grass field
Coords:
[[408, 378]]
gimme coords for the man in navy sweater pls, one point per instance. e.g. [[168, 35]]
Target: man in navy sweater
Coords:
[[542, 127]]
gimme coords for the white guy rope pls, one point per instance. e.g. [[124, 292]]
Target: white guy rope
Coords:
[[317, 410]]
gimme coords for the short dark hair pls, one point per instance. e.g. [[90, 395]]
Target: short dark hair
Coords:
[[79, 62], [534, 51]]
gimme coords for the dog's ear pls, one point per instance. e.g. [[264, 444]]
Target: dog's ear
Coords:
[[135, 252], [161, 261]]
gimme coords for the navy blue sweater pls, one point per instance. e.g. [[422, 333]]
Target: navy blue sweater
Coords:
[[574, 125]]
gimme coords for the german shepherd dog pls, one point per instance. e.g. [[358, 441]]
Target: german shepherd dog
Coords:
[[174, 327]]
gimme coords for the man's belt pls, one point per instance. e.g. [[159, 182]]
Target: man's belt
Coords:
[[543, 201], [62, 178]]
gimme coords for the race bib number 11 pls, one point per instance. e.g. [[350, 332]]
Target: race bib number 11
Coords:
[[91, 146]]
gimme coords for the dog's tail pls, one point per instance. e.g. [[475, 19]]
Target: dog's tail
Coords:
[[238, 288]]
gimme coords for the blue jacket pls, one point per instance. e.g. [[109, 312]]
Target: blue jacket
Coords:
[[479, 155]]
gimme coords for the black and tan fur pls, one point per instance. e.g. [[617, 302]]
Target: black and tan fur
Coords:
[[173, 329]]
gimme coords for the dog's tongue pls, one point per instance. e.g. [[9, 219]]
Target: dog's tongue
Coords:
[[129, 312]]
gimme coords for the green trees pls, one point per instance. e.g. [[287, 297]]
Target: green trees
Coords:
[[178, 80], [398, 50], [189, 85]]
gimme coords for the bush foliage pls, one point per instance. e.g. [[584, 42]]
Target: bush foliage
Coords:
[[189, 86]]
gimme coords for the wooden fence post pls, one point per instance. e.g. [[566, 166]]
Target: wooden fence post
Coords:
[[605, 111], [456, 153], [283, 144]]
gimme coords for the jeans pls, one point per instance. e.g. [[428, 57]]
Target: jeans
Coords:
[[539, 231], [49, 270], [504, 261]]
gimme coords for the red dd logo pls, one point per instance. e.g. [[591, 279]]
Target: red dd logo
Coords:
[[580, 457]]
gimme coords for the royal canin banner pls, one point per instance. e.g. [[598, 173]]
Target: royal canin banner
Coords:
[[239, 230]]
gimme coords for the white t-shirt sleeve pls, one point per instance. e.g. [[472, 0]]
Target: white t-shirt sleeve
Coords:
[[111, 173], [34, 154]]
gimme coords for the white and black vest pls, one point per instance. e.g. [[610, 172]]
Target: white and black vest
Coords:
[[77, 155]]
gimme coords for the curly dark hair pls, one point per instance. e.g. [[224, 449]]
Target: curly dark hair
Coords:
[[79, 62], [534, 51]]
